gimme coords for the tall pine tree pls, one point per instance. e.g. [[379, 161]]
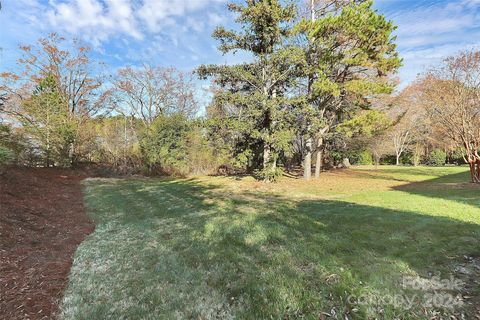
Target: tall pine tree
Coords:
[[254, 97], [350, 52]]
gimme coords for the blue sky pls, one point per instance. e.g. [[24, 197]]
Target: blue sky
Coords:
[[178, 32]]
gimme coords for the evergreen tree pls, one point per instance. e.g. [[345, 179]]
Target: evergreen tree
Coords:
[[46, 118], [254, 97], [349, 52]]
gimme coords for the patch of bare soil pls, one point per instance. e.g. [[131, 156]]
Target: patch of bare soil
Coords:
[[468, 271], [42, 221]]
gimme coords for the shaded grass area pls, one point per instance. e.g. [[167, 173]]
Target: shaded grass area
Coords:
[[219, 248]]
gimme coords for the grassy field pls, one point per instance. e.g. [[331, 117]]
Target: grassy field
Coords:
[[232, 247]]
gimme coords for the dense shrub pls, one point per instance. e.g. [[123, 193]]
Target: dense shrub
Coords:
[[115, 143], [176, 145], [269, 174], [417, 154], [163, 145], [365, 158], [456, 157], [390, 159], [202, 158], [436, 158], [13, 147], [407, 158], [6, 156]]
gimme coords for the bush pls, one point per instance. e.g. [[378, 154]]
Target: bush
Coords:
[[6, 156], [415, 158], [13, 146], [365, 158], [388, 159], [202, 157], [436, 158], [164, 145], [416, 154], [456, 157], [176, 145], [269, 174], [407, 158]]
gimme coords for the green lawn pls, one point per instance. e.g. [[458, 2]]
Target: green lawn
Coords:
[[220, 248]]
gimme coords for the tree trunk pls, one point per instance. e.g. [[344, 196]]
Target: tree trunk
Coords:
[[477, 176], [376, 159], [71, 154], [307, 162], [266, 155], [397, 160], [47, 160], [474, 169], [318, 162], [307, 165], [47, 153]]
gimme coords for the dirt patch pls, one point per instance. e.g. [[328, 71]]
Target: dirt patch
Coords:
[[42, 221], [469, 272]]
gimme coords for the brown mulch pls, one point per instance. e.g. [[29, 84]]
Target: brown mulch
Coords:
[[42, 221]]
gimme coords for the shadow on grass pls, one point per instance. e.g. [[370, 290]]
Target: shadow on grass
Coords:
[[455, 187], [406, 173], [182, 248]]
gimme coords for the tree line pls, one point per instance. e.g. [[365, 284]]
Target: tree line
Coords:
[[317, 91]]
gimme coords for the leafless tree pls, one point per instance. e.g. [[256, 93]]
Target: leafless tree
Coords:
[[451, 96], [408, 119], [151, 91], [68, 63], [71, 68]]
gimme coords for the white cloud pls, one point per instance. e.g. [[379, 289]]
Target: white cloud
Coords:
[[164, 30], [195, 24], [156, 13], [471, 2], [214, 19], [97, 21], [434, 23], [430, 31], [93, 20]]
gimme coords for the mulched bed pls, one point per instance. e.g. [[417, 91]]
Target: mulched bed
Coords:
[[42, 221]]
